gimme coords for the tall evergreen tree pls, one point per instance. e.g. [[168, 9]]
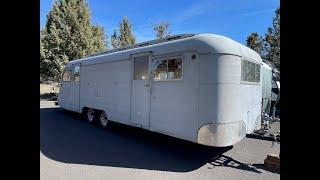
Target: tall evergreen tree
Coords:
[[99, 41], [256, 42], [125, 36], [268, 46], [273, 40], [68, 35], [115, 40], [161, 30]]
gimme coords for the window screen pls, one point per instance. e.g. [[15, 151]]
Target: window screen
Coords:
[[167, 69], [141, 68], [67, 75], [250, 71], [76, 73]]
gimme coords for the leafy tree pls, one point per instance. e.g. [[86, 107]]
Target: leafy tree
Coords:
[[68, 35], [161, 30], [125, 36]]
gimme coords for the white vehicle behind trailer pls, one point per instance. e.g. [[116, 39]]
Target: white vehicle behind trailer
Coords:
[[203, 88]]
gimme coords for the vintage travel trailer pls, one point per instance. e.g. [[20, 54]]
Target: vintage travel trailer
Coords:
[[275, 94], [203, 88]]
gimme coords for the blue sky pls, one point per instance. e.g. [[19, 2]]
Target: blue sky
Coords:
[[233, 18]]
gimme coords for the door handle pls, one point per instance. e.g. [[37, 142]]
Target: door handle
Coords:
[[147, 85]]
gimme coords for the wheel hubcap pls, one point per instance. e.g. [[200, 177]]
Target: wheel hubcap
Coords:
[[90, 115], [103, 119]]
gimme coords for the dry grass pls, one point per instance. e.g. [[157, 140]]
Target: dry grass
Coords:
[[49, 88]]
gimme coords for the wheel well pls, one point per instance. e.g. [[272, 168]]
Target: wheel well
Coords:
[[85, 109]]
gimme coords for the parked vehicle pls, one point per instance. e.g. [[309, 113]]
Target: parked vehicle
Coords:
[[203, 88], [275, 95]]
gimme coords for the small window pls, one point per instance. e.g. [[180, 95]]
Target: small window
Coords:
[[257, 77], [67, 75], [76, 73], [250, 71], [167, 69], [141, 68]]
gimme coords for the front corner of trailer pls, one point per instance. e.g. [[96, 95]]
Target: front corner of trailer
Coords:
[[220, 120], [221, 134]]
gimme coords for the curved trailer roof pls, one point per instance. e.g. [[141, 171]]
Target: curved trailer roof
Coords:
[[201, 43]]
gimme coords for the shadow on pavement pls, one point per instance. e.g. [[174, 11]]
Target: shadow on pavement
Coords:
[[262, 166], [226, 161], [66, 138]]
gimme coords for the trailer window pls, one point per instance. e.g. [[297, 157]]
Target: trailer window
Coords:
[[250, 71], [67, 75], [76, 73], [167, 69], [140, 69]]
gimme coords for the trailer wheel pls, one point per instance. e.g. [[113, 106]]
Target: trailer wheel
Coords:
[[103, 120], [91, 114]]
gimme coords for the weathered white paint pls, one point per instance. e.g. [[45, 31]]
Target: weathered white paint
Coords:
[[266, 73], [209, 105]]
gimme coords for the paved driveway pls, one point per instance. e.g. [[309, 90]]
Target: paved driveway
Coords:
[[72, 149]]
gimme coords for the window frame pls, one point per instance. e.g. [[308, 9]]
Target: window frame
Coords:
[[167, 58], [134, 69], [242, 72]]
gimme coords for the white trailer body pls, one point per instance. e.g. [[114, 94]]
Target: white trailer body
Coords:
[[204, 88], [266, 82]]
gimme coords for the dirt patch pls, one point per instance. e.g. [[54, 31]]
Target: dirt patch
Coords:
[[49, 88]]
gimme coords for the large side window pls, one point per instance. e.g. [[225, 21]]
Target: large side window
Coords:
[[250, 71], [76, 73], [67, 75], [167, 69]]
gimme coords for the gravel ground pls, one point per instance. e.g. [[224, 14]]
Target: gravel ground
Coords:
[[72, 149]]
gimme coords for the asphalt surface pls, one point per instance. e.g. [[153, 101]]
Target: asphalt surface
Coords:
[[72, 149]]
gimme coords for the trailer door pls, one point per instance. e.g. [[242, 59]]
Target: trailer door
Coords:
[[140, 92], [75, 88]]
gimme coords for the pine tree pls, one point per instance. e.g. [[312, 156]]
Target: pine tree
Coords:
[[273, 40], [68, 35], [99, 41], [161, 30], [115, 40], [125, 36], [268, 46], [256, 42]]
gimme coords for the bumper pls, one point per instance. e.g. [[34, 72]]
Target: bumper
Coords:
[[221, 135]]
